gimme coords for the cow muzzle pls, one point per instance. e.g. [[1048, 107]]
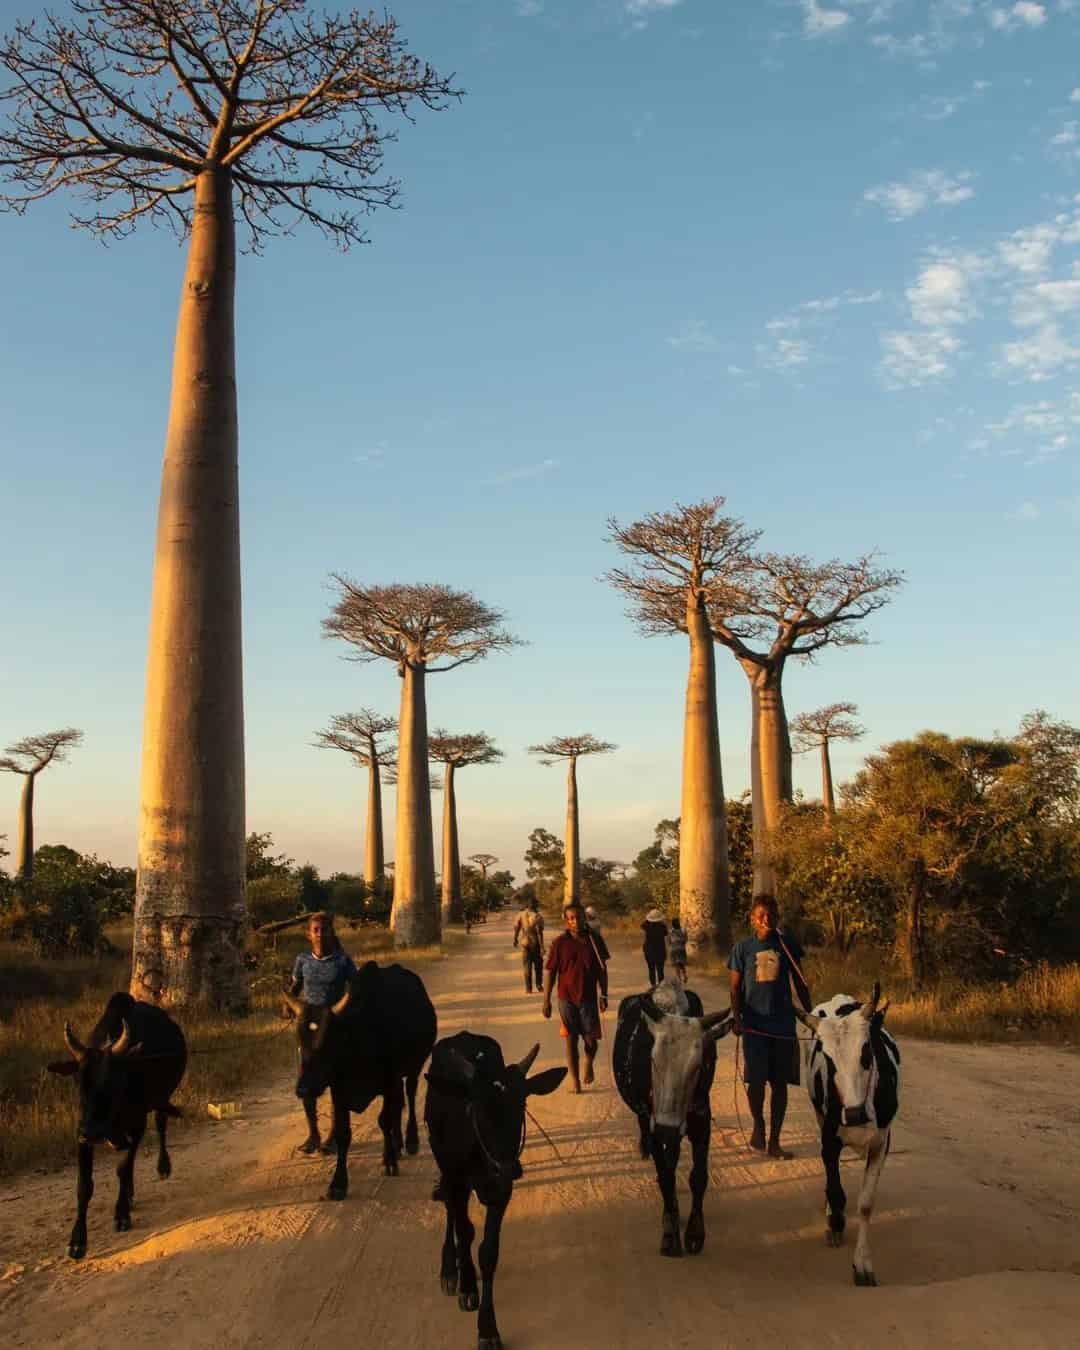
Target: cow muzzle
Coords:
[[854, 1115]]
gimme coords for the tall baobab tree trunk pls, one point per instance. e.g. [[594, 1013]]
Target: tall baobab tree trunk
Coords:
[[770, 764], [189, 907], [374, 865], [572, 888], [24, 852], [414, 917], [453, 909], [704, 875], [827, 797]]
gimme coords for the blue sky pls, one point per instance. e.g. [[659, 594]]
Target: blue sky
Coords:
[[821, 259]]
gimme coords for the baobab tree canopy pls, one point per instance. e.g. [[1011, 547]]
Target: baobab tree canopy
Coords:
[[570, 747], [460, 751], [361, 735], [835, 722], [29, 757], [131, 101]]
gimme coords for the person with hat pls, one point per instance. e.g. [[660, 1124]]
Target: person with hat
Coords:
[[655, 944]]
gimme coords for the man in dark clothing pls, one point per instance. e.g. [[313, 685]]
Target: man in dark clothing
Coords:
[[530, 930], [578, 960], [320, 977], [762, 968]]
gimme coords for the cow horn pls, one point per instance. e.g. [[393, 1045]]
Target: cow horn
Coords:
[[651, 1011], [714, 1019], [808, 1019], [527, 1063], [868, 1009], [120, 1045], [294, 1005], [343, 1002], [73, 1043]]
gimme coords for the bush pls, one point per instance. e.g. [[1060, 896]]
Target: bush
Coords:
[[272, 898]]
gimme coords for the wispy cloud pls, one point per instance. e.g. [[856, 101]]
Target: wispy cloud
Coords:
[[529, 9], [913, 359], [538, 470], [819, 21], [1024, 511], [640, 11], [1024, 14], [920, 190], [694, 335], [373, 459]]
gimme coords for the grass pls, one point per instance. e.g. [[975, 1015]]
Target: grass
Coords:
[[228, 1056]]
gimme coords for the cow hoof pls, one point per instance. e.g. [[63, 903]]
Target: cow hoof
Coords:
[[337, 1193], [646, 1152], [694, 1242], [489, 1343], [865, 1279], [77, 1250], [164, 1170], [412, 1143], [390, 1169], [122, 1225], [670, 1245], [448, 1284], [469, 1301], [834, 1237]]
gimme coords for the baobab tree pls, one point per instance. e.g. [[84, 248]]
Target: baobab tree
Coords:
[[483, 861], [683, 563], [203, 114], [423, 630], [816, 731], [453, 753], [571, 749], [789, 607], [361, 736], [29, 757]]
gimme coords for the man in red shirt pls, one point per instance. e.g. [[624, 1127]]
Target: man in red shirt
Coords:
[[578, 959]]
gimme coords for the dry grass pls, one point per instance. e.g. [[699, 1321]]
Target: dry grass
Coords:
[[228, 1056]]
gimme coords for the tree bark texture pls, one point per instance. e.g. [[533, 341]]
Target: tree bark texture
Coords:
[[374, 863], [24, 852], [572, 887], [704, 876], [827, 796], [453, 908], [414, 916], [914, 949], [770, 764], [190, 912]]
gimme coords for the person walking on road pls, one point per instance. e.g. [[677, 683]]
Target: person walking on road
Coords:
[[655, 945], [578, 961], [762, 969], [530, 930], [677, 949], [320, 977]]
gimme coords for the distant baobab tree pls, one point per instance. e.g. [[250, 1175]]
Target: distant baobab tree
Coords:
[[29, 757], [789, 607], [571, 749], [817, 730], [203, 114], [483, 861], [681, 564], [415, 626], [361, 735], [453, 753]]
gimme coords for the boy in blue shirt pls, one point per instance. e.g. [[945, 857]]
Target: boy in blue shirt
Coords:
[[320, 977], [762, 968]]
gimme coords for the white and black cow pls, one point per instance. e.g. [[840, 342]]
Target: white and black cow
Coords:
[[475, 1115], [133, 1063], [664, 1062], [853, 1078]]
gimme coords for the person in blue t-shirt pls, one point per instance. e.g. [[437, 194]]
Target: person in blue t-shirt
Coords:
[[762, 969], [320, 977]]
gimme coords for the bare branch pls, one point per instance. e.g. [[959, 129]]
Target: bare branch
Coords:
[[34, 753], [464, 750], [571, 747], [835, 722], [360, 735]]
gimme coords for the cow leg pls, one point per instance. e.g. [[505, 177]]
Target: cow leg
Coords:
[[412, 1134], [83, 1192], [835, 1199], [164, 1162], [311, 1111], [448, 1274], [125, 1176], [645, 1142], [863, 1265], [489, 1259], [390, 1124], [670, 1241], [699, 1131], [468, 1294], [339, 1182]]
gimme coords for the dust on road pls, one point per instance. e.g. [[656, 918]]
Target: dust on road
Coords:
[[976, 1236]]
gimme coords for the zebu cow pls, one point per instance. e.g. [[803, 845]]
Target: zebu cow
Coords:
[[853, 1080], [475, 1115], [133, 1064], [379, 1032], [665, 1060]]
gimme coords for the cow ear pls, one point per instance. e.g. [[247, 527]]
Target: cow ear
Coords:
[[66, 1068], [540, 1084]]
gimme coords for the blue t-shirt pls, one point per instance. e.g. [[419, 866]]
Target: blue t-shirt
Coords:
[[323, 977], [766, 976]]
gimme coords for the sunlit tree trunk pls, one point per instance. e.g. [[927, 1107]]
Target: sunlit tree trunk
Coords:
[[189, 906], [374, 865], [770, 764], [24, 851], [704, 880], [414, 917], [572, 887], [826, 781], [453, 910]]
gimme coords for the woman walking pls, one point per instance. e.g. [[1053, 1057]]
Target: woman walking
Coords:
[[655, 944]]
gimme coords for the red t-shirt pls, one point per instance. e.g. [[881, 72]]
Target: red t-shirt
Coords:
[[577, 966]]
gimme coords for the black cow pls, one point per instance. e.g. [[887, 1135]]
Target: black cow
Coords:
[[853, 1080], [664, 1062], [133, 1064], [475, 1115], [379, 1032]]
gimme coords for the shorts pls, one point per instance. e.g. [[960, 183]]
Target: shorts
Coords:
[[766, 1060], [580, 1019]]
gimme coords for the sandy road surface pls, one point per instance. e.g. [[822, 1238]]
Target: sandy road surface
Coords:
[[976, 1238]]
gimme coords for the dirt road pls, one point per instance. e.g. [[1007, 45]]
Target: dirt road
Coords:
[[976, 1237]]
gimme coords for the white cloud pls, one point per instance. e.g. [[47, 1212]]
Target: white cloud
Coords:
[[818, 21], [1025, 511], [1041, 356], [637, 8], [1074, 97], [1024, 14], [941, 296], [529, 9], [785, 353], [916, 358], [694, 335], [927, 187], [537, 470]]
